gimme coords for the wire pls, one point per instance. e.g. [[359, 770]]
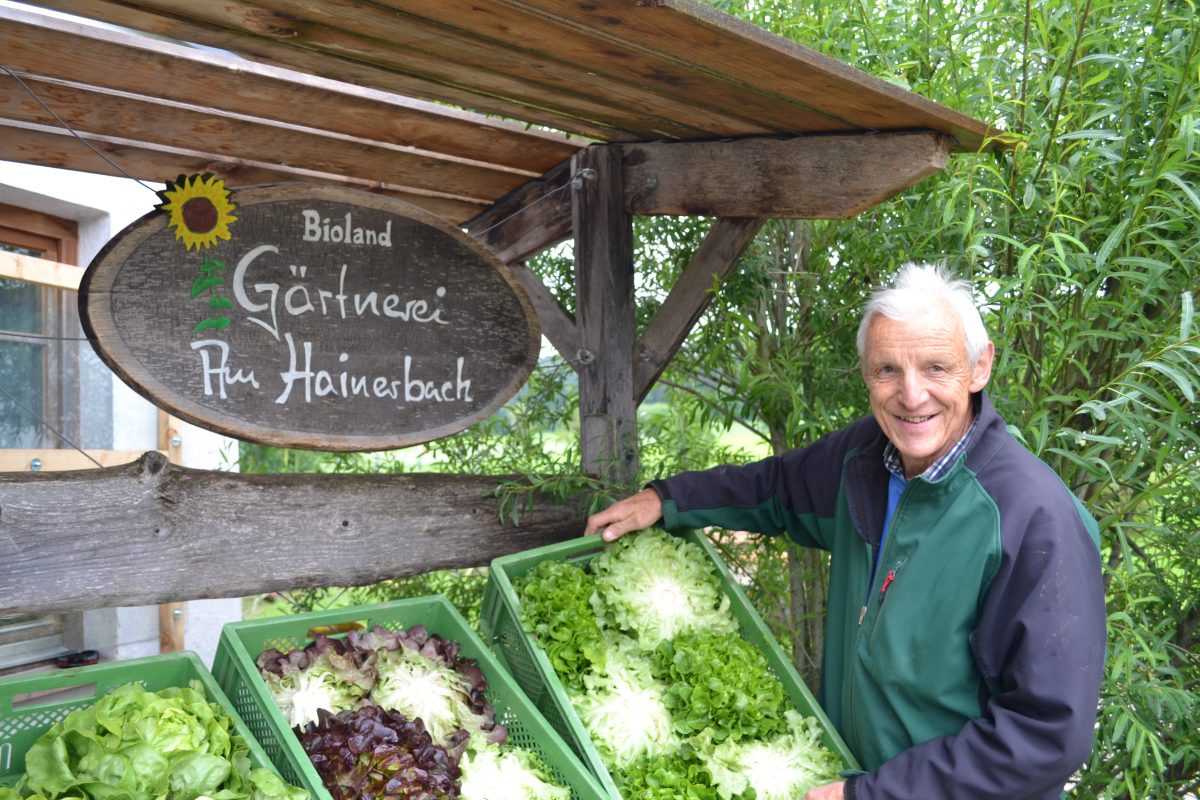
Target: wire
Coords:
[[6, 335], [71, 130], [48, 426], [585, 174]]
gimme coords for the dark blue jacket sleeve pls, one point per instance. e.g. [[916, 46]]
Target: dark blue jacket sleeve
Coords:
[[780, 494]]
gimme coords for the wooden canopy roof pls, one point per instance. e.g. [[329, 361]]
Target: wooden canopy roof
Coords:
[[480, 111], [354, 92]]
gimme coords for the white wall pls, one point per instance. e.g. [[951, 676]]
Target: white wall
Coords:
[[102, 206]]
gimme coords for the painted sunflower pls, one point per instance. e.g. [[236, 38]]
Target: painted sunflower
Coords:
[[199, 209]]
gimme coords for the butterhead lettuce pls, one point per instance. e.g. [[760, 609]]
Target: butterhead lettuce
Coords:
[[135, 744]]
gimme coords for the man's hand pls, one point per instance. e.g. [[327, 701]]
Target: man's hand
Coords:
[[631, 514], [830, 791]]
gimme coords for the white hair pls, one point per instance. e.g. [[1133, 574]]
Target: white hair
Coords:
[[915, 289]]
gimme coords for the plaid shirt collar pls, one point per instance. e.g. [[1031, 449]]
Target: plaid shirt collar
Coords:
[[939, 468]]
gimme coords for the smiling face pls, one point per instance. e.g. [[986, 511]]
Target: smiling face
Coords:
[[920, 382]]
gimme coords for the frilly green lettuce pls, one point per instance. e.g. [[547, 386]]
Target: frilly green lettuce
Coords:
[[622, 707], [510, 774], [677, 776], [781, 768], [557, 609], [720, 684], [655, 586]]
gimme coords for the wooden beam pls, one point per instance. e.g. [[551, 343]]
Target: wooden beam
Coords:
[[30, 143], [57, 48], [716, 257], [152, 121], [605, 317], [151, 532], [811, 177], [521, 224], [557, 324], [58, 460], [527, 220], [40, 271]]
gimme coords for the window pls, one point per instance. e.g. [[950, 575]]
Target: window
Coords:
[[43, 371]]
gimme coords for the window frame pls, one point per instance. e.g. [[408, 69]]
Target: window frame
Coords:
[[57, 240]]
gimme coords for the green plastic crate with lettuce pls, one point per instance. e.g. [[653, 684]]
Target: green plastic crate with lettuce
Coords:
[[137, 730], [658, 670]]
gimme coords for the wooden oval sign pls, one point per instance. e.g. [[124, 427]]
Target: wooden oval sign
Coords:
[[309, 316]]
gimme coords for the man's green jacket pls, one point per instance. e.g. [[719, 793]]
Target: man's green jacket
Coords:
[[964, 663]]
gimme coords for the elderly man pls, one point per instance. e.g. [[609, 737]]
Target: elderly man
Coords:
[[965, 630]]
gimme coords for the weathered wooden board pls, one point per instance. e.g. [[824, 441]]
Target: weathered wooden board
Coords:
[[35, 44], [808, 177], [56, 147], [759, 63], [613, 70], [271, 38], [323, 318], [528, 219], [150, 532], [605, 320], [254, 139]]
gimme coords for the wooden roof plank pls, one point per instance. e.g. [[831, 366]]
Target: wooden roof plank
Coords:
[[83, 53], [738, 64], [154, 122], [609, 64], [522, 68], [55, 147], [259, 45], [762, 61]]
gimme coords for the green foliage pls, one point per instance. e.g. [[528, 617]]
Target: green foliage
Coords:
[[669, 777]]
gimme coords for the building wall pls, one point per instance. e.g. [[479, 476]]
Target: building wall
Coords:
[[102, 206]]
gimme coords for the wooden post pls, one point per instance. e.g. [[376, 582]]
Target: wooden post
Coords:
[[172, 619], [605, 316]]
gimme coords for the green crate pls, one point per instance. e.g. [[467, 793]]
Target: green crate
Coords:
[[31, 704], [501, 623], [241, 642]]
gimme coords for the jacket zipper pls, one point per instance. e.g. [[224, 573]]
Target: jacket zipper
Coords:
[[876, 558], [888, 580]]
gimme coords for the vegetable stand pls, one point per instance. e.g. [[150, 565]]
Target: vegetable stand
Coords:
[[241, 642], [531, 668], [31, 705]]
